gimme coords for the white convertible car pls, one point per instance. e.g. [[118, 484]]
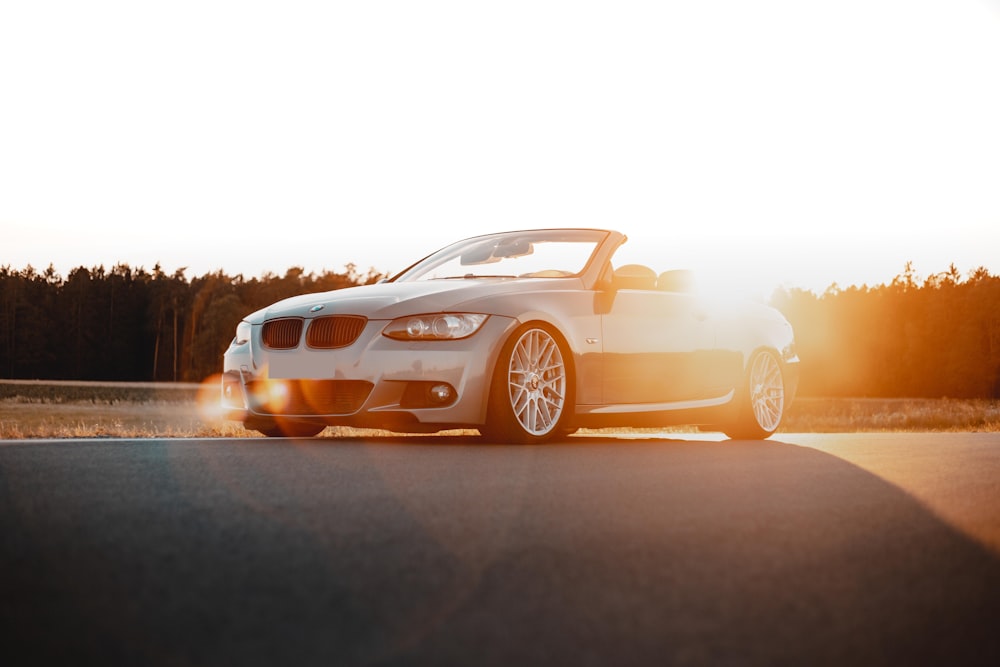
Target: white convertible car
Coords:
[[523, 335]]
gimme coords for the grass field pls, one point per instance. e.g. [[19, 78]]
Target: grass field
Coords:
[[112, 410]]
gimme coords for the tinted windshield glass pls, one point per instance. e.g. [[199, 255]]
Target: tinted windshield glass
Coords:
[[553, 253]]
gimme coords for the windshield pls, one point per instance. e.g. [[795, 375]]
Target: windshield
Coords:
[[547, 253]]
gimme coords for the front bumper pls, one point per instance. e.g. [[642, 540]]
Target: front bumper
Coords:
[[376, 382]]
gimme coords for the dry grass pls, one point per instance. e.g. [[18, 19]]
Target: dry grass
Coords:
[[109, 409], [20, 421], [847, 415], [95, 410]]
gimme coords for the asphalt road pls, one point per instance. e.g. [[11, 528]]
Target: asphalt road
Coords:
[[801, 550]]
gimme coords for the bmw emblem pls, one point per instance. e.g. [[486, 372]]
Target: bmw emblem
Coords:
[[316, 309]]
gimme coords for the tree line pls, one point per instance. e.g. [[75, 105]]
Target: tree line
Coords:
[[935, 337], [127, 324], [931, 338]]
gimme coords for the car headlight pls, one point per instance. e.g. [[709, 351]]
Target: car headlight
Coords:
[[439, 326], [242, 333]]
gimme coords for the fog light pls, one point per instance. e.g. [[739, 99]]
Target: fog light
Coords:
[[441, 393], [421, 395], [231, 394]]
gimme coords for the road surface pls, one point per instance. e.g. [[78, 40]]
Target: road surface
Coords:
[[869, 549]]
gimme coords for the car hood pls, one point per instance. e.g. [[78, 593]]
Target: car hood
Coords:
[[391, 300]]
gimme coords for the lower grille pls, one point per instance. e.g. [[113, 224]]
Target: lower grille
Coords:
[[308, 397]]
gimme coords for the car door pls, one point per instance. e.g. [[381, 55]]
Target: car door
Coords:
[[654, 345]]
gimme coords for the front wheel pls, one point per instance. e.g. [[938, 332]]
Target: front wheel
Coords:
[[530, 394], [287, 429], [761, 400]]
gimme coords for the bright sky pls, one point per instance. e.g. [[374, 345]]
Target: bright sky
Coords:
[[801, 143]]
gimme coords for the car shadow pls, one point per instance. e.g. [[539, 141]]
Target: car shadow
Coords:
[[695, 549], [466, 439]]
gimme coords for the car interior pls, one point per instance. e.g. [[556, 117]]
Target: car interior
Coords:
[[641, 277]]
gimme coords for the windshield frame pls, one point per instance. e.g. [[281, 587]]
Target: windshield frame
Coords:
[[420, 270]]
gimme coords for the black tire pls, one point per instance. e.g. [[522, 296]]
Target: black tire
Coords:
[[761, 399], [289, 429], [531, 396]]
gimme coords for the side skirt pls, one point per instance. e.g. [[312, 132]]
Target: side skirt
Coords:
[[641, 415]]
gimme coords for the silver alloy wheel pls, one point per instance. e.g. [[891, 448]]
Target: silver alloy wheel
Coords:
[[536, 382], [767, 392]]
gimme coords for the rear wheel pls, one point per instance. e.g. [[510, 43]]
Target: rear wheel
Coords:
[[529, 398], [762, 399]]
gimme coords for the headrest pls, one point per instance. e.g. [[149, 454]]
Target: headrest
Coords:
[[635, 276]]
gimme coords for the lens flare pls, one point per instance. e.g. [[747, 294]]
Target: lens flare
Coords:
[[276, 395], [209, 400]]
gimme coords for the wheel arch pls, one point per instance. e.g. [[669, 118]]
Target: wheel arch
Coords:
[[569, 341], [517, 328], [788, 364], [518, 324], [741, 423], [569, 352]]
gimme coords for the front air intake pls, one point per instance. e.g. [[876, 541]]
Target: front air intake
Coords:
[[307, 398]]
